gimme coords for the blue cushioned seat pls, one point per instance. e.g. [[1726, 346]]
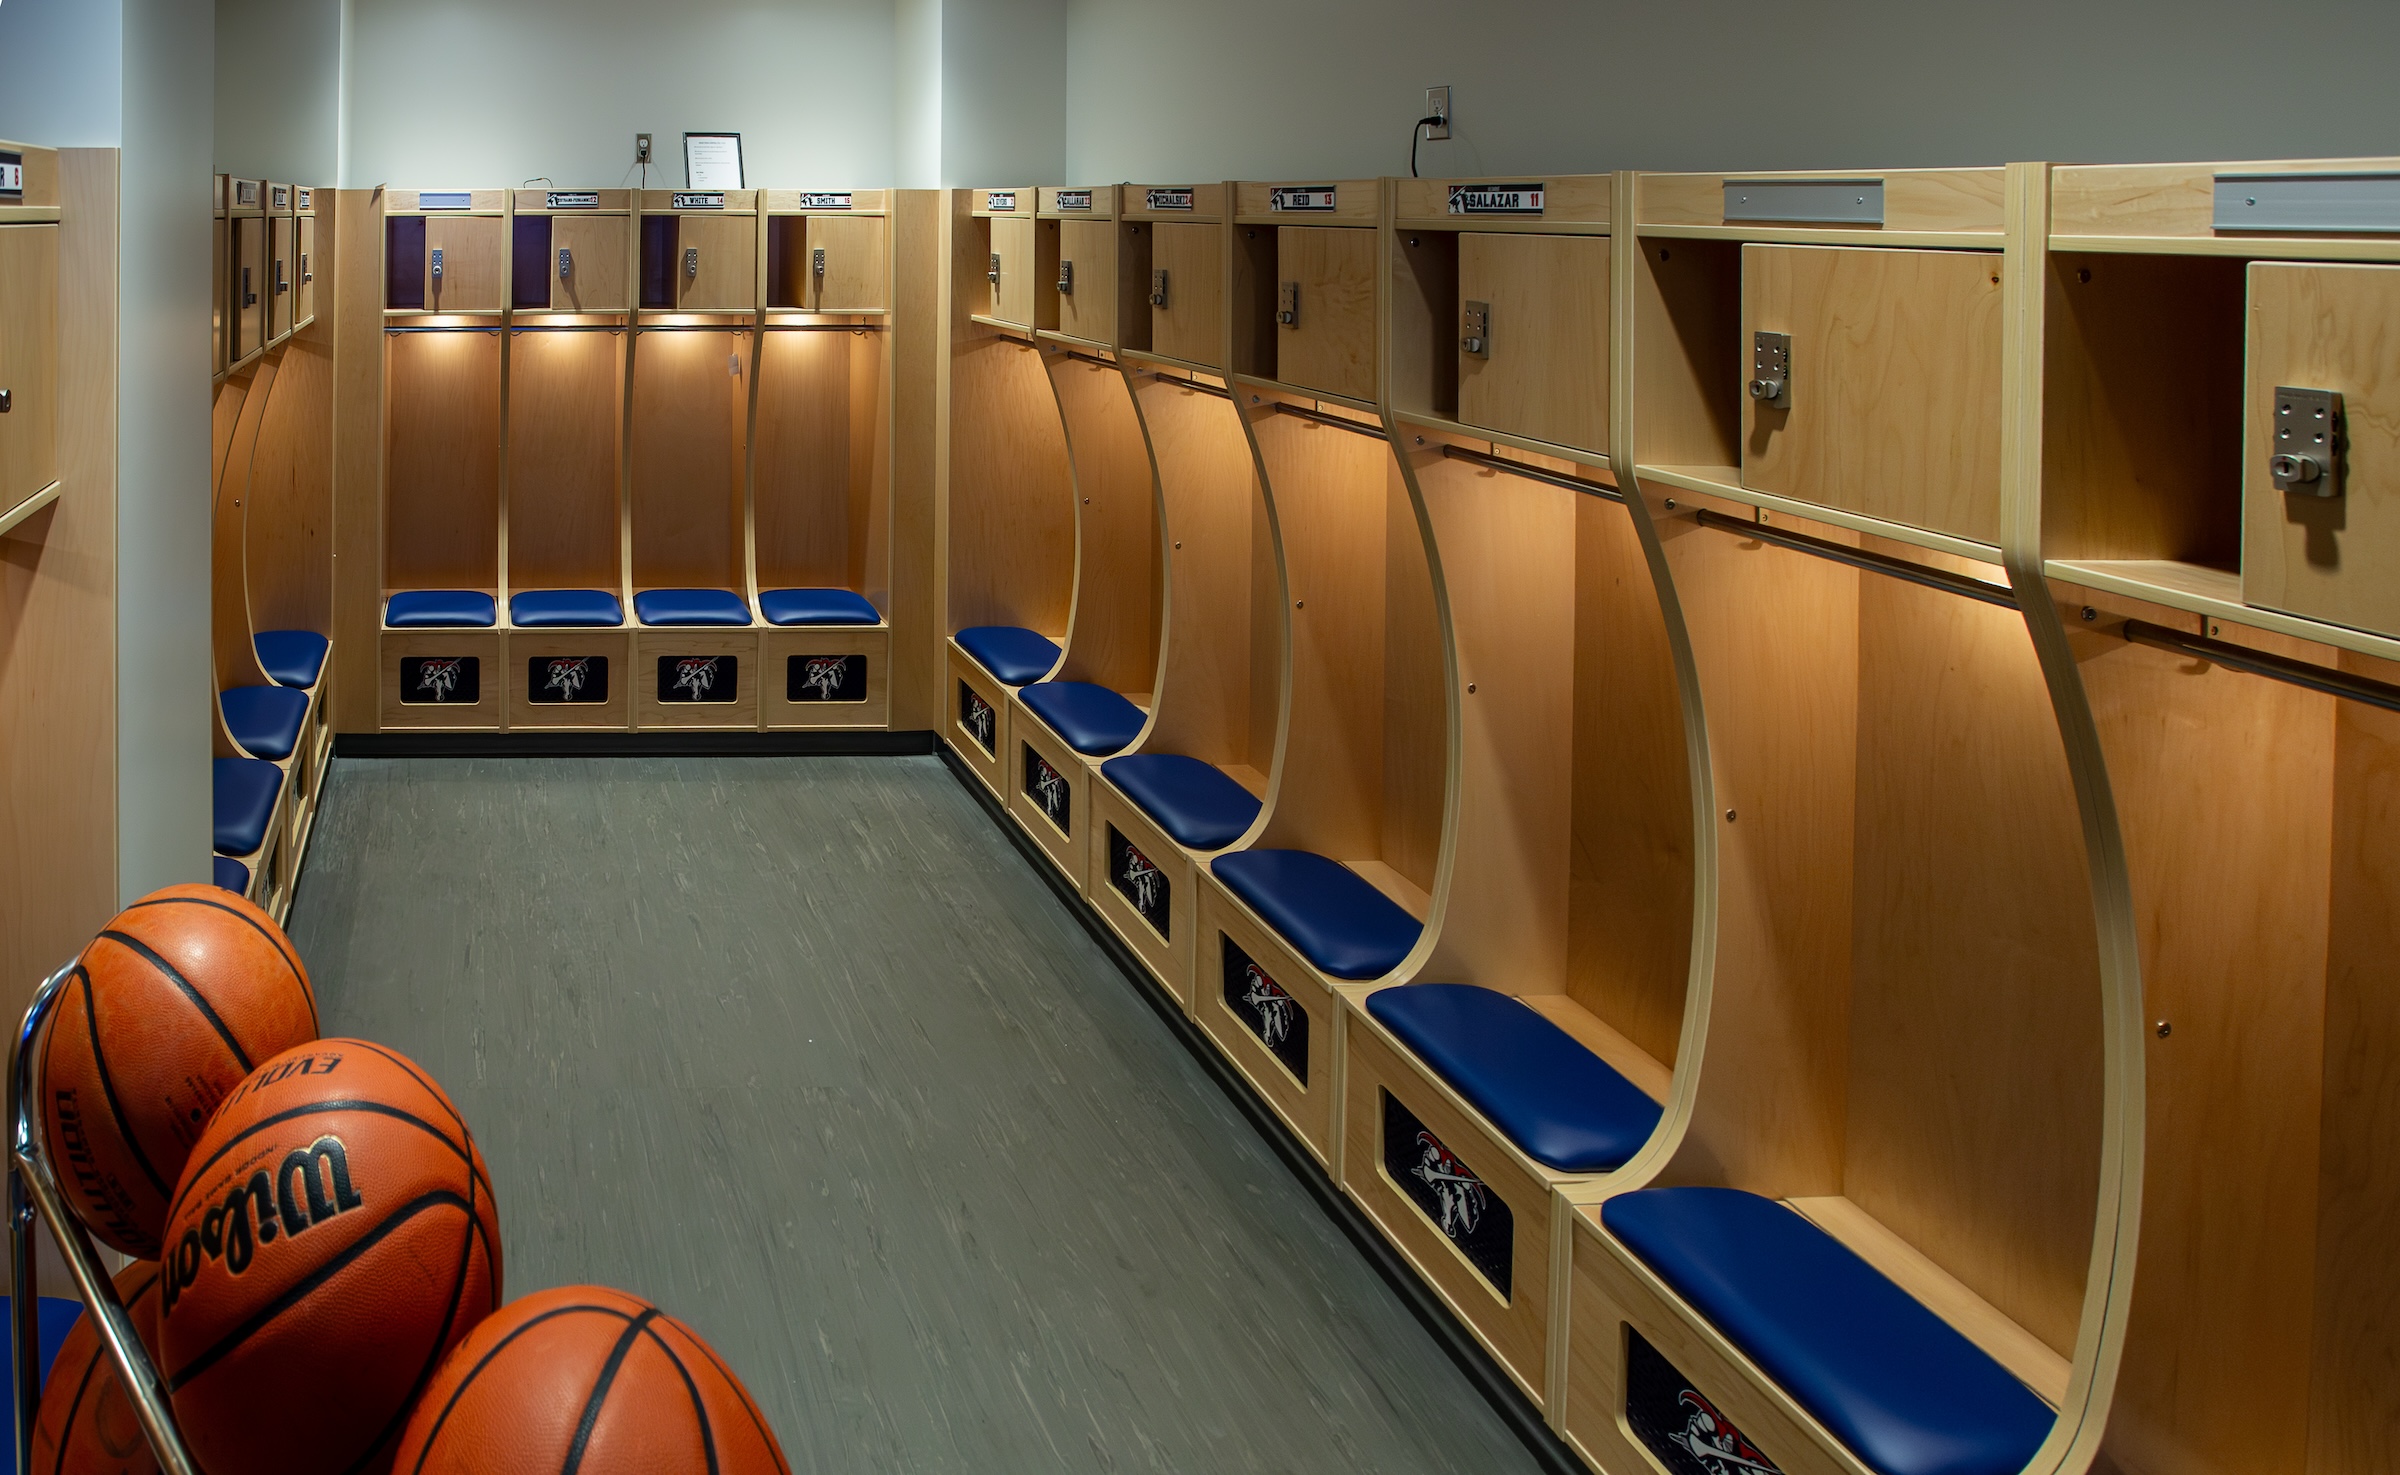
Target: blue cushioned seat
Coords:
[[544, 609], [243, 799], [231, 874], [690, 607], [1092, 719], [1014, 656], [1331, 914], [1194, 802], [1555, 1099], [1895, 1383], [265, 720], [441, 609], [291, 657], [817, 607]]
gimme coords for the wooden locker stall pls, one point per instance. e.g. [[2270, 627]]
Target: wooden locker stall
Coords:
[[446, 251], [247, 288], [1009, 516], [829, 251], [1103, 277], [1017, 256], [571, 251], [1827, 347], [567, 643], [1302, 286], [695, 646], [1185, 291], [699, 250], [2234, 638]]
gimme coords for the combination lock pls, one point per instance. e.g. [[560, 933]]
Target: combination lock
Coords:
[[691, 261], [1287, 304], [1476, 340], [816, 263], [1066, 279], [437, 263], [566, 264], [2307, 458], [1771, 369], [994, 273], [1158, 287]]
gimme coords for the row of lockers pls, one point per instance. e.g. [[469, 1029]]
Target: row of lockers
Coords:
[[265, 262]]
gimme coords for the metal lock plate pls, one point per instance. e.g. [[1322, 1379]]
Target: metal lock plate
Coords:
[[305, 274], [2305, 453], [566, 263], [994, 273], [1771, 369], [283, 282], [1158, 287], [437, 262], [1476, 329], [1066, 279], [1287, 304], [816, 261], [250, 298], [691, 261]]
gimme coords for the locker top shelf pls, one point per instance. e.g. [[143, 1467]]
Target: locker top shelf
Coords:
[[1899, 207], [443, 202], [2310, 209]]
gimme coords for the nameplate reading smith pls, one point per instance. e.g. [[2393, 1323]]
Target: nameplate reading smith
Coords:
[[825, 202], [714, 200], [1496, 199], [1316, 199]]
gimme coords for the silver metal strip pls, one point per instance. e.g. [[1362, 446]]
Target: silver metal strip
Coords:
[[1805, 201]]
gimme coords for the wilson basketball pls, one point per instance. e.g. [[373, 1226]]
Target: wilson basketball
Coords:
[[592, 1380], [334, 1237], [178, 998], [87, 1425]]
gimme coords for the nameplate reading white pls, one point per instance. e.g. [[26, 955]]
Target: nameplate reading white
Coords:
[[1496, 199], [825, 202], [713, 200], [456, 199], [571, 199], [999, 199], [1074, 199], [1170, 199], [279, 197], [245, 192], [12, 179], [1309, 199]]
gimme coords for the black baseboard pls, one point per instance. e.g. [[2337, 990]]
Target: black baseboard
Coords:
[[538, 744], [1497, 1388]]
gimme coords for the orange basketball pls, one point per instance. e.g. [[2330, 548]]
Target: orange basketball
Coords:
[[333, 1238], [176, 1000], [590, 1380], [87, 1425]]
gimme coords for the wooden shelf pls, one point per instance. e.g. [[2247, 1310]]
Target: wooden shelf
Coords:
[[2214, 594]]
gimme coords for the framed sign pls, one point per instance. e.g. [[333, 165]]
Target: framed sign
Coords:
[[712, 161]]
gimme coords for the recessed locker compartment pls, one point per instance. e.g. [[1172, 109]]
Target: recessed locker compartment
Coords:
[[1533, 336], [566, 409], [715, 263], [1873, 383], [283, 274], [1187, 292], [2321, 470], [569, 263], [304, 272], [250, 287], [28, 361], [464, 263], [1016, 267], [847, 266], [1325, 309], [442, 464], [569, 678]]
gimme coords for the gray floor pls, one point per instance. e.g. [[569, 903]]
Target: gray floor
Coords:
[[802, 1049]]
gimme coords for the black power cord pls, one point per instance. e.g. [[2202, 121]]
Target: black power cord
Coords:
[[1416, 136]]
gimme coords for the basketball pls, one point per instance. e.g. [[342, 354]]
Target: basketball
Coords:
[[334, 1236], [86, 1425], [177, 999], [592, 1380]]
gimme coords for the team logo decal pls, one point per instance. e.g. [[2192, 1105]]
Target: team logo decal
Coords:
[[441, 680], [1047, 787], [1272, 1014], [310, 1186], [977, 717], [553, 680], [1678, 1423], [698, 678], [1461, 1205], [1143, 885], [825, 679]]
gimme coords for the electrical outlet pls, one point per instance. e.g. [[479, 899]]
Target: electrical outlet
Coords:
[[1437, 105], [641, 148]]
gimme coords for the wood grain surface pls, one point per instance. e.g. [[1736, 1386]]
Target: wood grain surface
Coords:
[[806, 1051]]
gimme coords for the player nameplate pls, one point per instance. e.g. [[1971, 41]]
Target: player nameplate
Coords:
[[1309, 199], [999, 199], [1170, 199], [12, 179], [825, 202], [1496, 199], [1074, 199], [572, 199], [713, 200]]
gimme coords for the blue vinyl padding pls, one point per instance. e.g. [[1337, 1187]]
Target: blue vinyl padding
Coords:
[[265, 720], [817, 607], [1329, 913], [231, 874], [1194, 802], [58, 1317], [690, 607], [1895, 1383], [1562, 1104], [441, 609], [1014, 656], [291, 657], [581, 609], [243, 797], [1091, 719]]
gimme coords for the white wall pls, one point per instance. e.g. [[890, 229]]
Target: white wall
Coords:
[[59, 82], [279, 89], [1171, 90], [1004, 91], [473, 92], [917, 94]]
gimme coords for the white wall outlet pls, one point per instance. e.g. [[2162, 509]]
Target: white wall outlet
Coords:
[[641, 148], [1437, 105]]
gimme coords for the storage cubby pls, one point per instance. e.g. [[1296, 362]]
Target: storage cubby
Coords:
[[1016, 256], [1357, 798], [571, 251], [1828, 347], [1185, 289], [29, 329], [1569, 892], [2261, 1336], [445, 251], [1103, 278], [566, 407], [699, 251], [1303, 289], [1907, 1059], [247, 286], [829, 251]]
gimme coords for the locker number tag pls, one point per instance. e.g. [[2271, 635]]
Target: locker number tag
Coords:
[[1496, 199], [1074, 199], [997, 200], [559, 199], [825, 202], [1307, 199], [1170, 199], [713, 200]]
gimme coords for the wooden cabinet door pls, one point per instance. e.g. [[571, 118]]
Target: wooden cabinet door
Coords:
[[857, 276], [1330, 343], [597, 280], [304, 273], [28, 360], [283, 274], [1894, 397], [1543, 371], [250, 286], [473, 263], [1189, 324], [723, 276], [2335, 559], [1013, 248], [1088, 310]]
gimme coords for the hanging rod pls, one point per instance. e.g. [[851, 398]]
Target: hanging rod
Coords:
[[566, 327], [2327, 679], [1860, 558], [826, 328], [493, 329], [1319, 417], [1531, 473], [1076, 353], [1195, 385]]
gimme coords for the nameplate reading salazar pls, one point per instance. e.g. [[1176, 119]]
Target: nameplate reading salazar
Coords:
[[712, 200], [1496, 199], [1306, 199]]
